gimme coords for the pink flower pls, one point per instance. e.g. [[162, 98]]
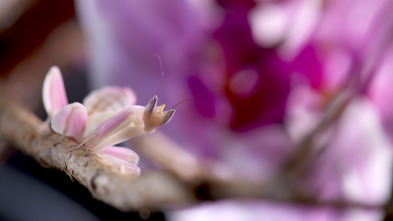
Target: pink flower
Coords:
[[280, 64], [107, 116]]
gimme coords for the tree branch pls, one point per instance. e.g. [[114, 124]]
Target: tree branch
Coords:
[[104, 181]]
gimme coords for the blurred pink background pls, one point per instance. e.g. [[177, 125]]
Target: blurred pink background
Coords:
[[286, 70]]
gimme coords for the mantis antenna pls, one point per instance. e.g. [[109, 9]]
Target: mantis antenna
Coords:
[[162, 78], [163, 86], [195, 96]]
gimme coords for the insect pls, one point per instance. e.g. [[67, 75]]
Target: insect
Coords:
[[106, 117], [130, 122]]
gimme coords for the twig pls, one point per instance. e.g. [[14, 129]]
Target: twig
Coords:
[[104, 181]]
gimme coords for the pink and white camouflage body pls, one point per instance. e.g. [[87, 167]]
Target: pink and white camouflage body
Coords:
[[107, 116]]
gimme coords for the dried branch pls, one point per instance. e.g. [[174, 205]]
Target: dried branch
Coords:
[[104, 181]]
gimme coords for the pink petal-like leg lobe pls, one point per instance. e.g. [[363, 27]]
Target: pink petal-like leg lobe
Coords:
[[70, 121], [125, 159], [109, 99], [122, 153], [53, 93]]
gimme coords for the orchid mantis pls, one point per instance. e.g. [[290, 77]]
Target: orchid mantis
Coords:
[[107, 116]]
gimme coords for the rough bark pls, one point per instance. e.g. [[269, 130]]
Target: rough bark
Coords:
[[105, 182]]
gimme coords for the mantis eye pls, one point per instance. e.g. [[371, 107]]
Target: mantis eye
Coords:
[[168, 116], [151, 105]]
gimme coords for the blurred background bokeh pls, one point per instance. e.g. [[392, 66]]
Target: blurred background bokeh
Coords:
[[304, 95]]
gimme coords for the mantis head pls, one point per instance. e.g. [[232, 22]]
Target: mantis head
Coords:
[[154, 116]]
